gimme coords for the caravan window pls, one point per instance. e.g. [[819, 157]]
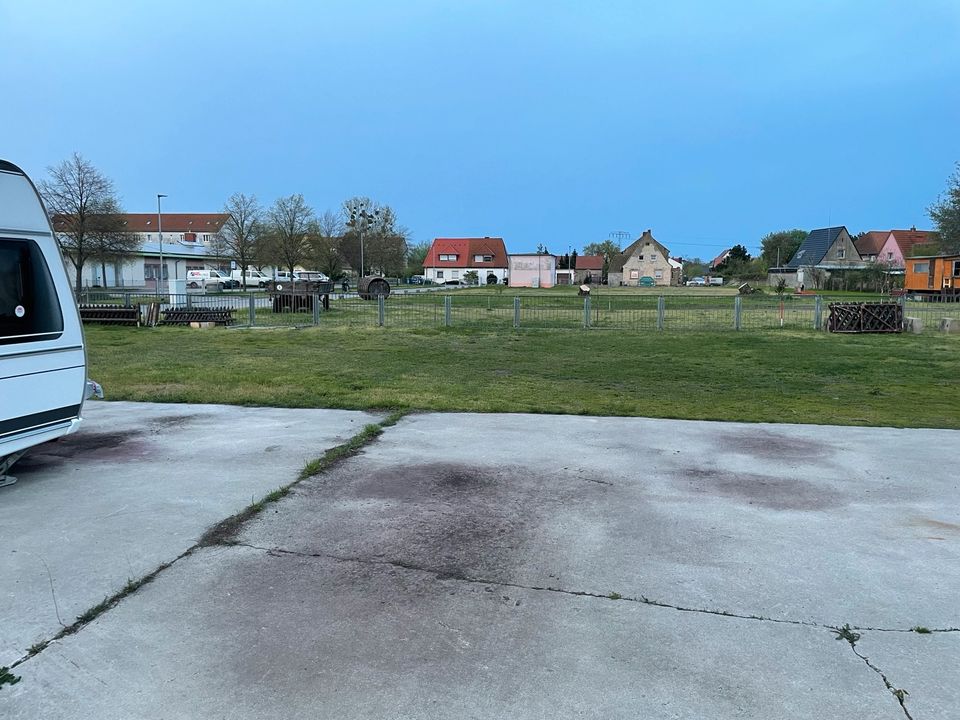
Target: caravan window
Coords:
[[29, 308]]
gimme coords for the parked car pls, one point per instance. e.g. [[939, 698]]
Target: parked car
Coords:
[[417, 279], [213, 279], [696, 282], [252, 278]]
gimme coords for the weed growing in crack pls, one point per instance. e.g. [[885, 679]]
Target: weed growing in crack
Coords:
[[37, 647], [615, 596], [921, 630], [92, 613], [846, 633], [7, 677]]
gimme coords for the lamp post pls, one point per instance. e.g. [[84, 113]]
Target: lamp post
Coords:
[[361, 219], [160, 233]]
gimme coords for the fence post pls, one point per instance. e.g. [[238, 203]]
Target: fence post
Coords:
[[586, 311], [252, 302], [516, 312], [818, 313], [316, 309], [380, 310], [661, 308], [189, 301], [737, 302], [447, 305], [126, 299]]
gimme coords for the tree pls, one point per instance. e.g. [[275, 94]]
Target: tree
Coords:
[[736, 262], [324, 245], [573, 260], [75, 194], [242, 231], [694, 267], [608, 249], [109, 240], [289, 221], [416, 256], [384, 241], [777, 248], [542, 249], [945, 213]]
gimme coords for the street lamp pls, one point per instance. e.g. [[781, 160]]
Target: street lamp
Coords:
[[160, 233], [361, 219]]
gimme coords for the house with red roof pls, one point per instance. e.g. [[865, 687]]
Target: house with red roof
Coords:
[[899, 245], [189, 242], [450, 259], [589, 269]]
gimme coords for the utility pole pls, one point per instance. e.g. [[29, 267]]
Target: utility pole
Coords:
[[160, 233]]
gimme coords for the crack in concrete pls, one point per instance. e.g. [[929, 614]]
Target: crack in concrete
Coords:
[[445, 575], [845, 633]]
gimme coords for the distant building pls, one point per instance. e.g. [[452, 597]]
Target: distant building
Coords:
[[589, 269], [824, 252], [898, 246], [645, 262], [934, 274], [189, 243], [452, 258], [533, 270], [720, 259]]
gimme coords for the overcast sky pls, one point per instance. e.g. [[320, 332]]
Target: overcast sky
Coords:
[[542, 122]]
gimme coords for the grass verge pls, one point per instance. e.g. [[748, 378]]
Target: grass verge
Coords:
[[760, 376]]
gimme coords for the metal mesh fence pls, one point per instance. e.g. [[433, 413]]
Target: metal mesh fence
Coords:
[[501, 309]]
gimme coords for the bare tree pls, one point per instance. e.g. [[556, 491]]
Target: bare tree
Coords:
[[110, 242], [290, 220], [241, 234], [324, 252], [384, 241], [330, 225], [76, 193]]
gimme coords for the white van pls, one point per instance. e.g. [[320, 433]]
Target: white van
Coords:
[[209, 278], [252, 278], [43, 369]]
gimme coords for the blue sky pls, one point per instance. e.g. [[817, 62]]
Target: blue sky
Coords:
[[543, 122]]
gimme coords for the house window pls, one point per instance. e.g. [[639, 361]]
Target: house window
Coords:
[[439, 274], [889, 255], [921, 267], [634, 274], [639, 257], [448, 258], [454, 274], [653, 257], [956, 268], [483, 258], [841, 253], [658, 274], [152, 270]]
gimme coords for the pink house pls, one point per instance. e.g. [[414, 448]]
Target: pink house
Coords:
[[899, 244]]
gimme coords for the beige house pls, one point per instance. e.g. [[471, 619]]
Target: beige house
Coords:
[[825, 252], [645, 262]]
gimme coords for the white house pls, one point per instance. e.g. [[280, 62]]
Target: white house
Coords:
[[452, 258]]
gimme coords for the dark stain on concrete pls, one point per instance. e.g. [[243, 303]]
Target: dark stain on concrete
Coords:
[[767, 491], [936, 524], [97, 446], [772, 446], [171, 421]]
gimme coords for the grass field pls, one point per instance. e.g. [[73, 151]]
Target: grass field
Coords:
[[775, 376]]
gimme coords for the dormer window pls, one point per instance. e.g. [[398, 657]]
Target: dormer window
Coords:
[[448, 257]]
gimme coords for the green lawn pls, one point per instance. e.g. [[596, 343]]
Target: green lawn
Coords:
[[766, 375]]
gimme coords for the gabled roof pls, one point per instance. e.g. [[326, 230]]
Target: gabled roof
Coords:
[[906, 239], [172, 222], [465, 249], [814, 247], [589, 262], [720, 258], [871, 242], [616, 264]]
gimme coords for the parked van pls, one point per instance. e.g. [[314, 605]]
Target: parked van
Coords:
[[252, 278], [43, 369], [213, 279]]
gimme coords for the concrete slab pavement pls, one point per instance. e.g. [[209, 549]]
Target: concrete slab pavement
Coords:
[[133, 488], [242, 633], [537, 566]]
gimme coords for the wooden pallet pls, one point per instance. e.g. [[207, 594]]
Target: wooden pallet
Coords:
[[865, 318], [93, 314], [185, 316]]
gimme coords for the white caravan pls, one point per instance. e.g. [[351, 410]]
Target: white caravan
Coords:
[[43, 374]]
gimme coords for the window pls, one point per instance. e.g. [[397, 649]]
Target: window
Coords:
[[956, 268], [448, 258], [152, 270], [483, 258], [439, 274], [921, 267], [889, 254], [634, 274], [454, 274], [841, 253], [639, 257], [653, 257], [658, 274], [29, 307]]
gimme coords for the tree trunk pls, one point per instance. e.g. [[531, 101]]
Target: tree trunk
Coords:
[[79, 286], [103, 269]]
